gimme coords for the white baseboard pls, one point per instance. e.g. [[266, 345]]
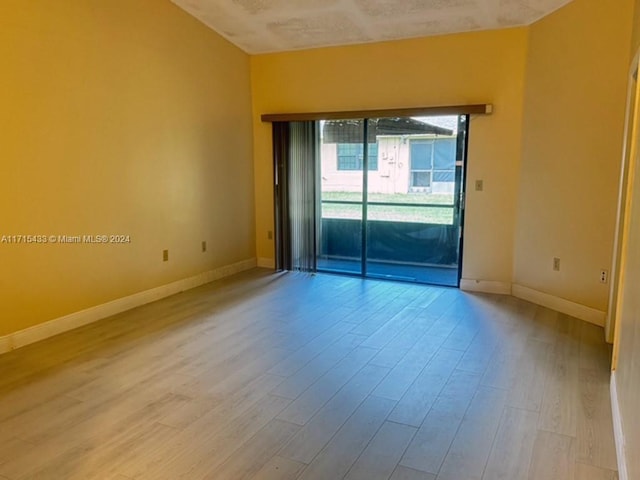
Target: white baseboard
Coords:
[[485, 286], [618, 432], [266, 263], [561, 305], [93, 314]]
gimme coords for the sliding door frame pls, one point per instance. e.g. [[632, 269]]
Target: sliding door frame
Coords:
[[281, 140], [458, 195], [460, 200], [365, 197]]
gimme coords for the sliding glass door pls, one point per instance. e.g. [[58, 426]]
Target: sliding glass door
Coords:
[[391, 197]]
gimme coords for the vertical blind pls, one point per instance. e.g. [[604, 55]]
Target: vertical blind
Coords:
[[295, 155]]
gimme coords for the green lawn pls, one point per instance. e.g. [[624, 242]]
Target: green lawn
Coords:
[[435, 198], [395, 213]]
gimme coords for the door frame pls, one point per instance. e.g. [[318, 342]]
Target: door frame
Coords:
[[627, 171]]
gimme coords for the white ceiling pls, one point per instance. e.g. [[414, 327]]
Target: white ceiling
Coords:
[[261, 26]]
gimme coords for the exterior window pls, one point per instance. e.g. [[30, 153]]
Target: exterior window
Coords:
[[351, 155], [433, 165], [421, 164], [420, 179], [444, 161]]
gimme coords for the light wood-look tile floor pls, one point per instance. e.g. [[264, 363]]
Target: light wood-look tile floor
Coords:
[[294, 376]]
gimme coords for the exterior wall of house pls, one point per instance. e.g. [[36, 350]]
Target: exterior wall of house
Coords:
[[393, 175]]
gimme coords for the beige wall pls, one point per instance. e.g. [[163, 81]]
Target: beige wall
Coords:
[[485, 67], [571, 149], [118, 117], [627, 342]]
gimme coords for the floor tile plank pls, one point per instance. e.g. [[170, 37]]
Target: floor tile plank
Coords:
[[595, 440], [553, 457], [279, 468], [471, 446], [589, 472], [513, 447], [431, 443], [417, 401], [308, 403], [311, 438], [337, 457], [559, 413], [382, 455], [404, 473], [255, 453]]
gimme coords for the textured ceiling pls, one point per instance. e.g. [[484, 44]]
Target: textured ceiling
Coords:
[[260, 26]]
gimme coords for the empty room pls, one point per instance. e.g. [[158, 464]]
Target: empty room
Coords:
[[350, 239]]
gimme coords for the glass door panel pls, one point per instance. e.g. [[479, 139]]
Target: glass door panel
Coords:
[[341, 196], [412, 199], [390, 197]]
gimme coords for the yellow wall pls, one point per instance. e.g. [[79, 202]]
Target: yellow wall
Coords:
[[118, 117], [635, 38], [486, 67], [627, 342], [572, 145]]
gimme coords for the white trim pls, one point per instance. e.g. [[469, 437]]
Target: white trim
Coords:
[[588, 314], [84, 317], [626, 166], [618, 432], [266, 262], [485, 286]]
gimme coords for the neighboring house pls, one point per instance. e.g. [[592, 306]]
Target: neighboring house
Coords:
[[415, 157]]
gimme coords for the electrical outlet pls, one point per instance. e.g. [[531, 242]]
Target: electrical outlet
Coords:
[[204, 246], [270, 235], [604, 276], [556, 264], [165, 255], [479, 185]]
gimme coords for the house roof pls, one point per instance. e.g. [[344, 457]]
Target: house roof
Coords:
[[350, 131]]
